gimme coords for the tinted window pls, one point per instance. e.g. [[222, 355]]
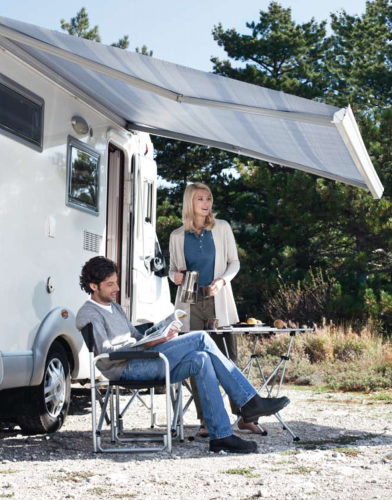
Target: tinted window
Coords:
[[83, 176], [21, 113]]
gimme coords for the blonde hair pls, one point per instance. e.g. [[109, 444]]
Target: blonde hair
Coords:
[[188, 214]]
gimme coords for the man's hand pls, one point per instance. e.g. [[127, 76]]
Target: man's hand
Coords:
[[217, 285], [179, 277], [170, 335]]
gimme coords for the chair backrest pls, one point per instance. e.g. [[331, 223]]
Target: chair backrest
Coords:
[[88, 336]]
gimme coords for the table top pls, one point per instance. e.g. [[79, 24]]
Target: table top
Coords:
[[258, 330]]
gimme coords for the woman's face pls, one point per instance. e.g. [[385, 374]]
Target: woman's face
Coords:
[[202, 203]]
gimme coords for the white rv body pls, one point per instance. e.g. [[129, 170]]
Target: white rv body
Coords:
[[45, 239]]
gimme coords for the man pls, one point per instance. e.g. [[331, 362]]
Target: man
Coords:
[[192, 354]]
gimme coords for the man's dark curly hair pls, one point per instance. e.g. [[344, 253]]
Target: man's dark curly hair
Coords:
[[95, 271]]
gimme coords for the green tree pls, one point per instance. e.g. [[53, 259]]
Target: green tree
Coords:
[[123, 43], [79, 26], [277, 53], [296, 221]]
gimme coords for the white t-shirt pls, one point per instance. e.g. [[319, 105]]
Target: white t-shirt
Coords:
[[107, 308]]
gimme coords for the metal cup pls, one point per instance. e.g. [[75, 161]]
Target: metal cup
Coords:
[[189, 287]]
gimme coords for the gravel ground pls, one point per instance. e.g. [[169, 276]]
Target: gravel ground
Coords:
[[345, 452]]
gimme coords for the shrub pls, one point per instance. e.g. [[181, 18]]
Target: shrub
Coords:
[[308, 301], [332, 357], [349, 347]]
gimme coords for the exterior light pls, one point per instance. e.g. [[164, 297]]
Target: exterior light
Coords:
[[80, 125]]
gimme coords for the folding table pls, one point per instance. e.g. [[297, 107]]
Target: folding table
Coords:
[[276, 377]]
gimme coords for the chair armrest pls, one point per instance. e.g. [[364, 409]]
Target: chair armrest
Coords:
[[126, 355]]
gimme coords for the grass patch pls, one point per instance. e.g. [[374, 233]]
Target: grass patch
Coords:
[[7, 495], [383, 396], [382, 416], [285, 462], [7, 471], [123, 495], [302, 470], [99, 491], [73, 477], [295, 387], [246, 472], [288, 452], [349, 452]]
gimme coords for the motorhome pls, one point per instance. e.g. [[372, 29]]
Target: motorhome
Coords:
[[73, 185], [78, 179]]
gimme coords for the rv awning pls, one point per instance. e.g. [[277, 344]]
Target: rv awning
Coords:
[[182, 103]]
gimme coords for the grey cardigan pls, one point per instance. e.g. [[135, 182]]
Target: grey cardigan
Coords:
[[227, 266]]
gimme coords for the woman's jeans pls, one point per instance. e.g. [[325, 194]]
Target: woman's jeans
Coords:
[[196, 354]]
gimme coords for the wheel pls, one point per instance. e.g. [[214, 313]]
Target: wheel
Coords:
[[50, 400]]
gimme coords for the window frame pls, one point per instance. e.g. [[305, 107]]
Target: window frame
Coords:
[[29, 96], [70, 201]]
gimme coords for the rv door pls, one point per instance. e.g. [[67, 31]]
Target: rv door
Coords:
[[143, 278]]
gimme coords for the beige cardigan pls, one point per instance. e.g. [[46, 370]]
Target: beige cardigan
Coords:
[[227, 266]]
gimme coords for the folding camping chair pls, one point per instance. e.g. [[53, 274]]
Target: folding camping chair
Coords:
[[118, 434]]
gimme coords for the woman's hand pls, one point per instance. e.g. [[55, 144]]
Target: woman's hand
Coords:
[[179, 277], [217, 285]]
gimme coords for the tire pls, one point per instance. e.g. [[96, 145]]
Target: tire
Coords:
[[50, 400]]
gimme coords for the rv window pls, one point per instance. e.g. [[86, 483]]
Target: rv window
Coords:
[[147, 197], [21, 114], [82, 176]]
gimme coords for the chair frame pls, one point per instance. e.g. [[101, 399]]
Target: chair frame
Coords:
[[112, 398]]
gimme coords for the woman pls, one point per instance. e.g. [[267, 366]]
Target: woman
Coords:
[[207, 245]]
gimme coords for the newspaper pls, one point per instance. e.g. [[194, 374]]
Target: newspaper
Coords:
[[161, 330]]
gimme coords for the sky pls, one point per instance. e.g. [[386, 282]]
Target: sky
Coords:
[[177, 31]]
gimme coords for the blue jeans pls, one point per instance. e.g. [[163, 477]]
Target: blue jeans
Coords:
[[196, 354]]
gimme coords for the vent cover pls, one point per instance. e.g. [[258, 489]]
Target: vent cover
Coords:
[[91, 242]]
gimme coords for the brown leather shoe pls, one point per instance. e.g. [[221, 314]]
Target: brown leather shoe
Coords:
[[203, 432], [250, 426]]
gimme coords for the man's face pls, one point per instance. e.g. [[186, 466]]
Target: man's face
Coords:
[[105, 293]]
